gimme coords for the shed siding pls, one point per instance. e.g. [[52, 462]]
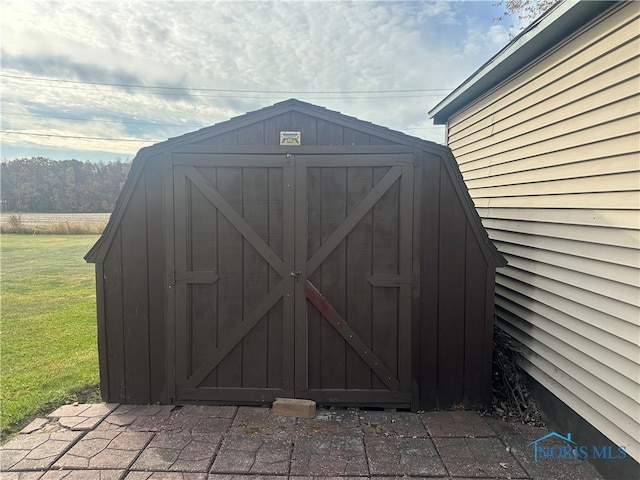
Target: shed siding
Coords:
[[140, 316], [313, 131], [551, 159], [134, 298], [457, 329]]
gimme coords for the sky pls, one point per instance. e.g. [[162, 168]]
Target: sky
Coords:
[[98, 80]]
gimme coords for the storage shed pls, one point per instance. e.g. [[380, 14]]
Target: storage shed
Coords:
[[295, 252]]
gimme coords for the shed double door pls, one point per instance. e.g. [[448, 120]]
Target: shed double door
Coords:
[[292, 276]]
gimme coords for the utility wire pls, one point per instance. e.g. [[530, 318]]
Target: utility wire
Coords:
[[199, 89], [79, 137], [54, 135], [9, 114], [175, 91], [150, 124], [258, 95]]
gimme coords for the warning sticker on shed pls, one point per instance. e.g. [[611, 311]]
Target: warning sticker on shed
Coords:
[[290, 138]]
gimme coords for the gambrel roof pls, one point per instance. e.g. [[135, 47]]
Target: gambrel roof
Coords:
[[356, 126]]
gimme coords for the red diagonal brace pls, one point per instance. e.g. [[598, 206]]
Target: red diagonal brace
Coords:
[[345, 331]]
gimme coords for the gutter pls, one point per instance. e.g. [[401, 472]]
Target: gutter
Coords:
[[556, 24]]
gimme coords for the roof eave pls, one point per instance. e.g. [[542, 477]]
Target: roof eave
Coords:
[[549, 29]]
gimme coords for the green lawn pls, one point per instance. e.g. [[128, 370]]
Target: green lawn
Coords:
[[48, 349]]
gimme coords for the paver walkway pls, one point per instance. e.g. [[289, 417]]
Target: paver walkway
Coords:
[[126, 442]]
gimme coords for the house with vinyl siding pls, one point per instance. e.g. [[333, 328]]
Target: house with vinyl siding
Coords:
[[547, 137]]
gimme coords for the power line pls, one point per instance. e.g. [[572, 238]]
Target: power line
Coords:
[[78, 137], [149, 124], [202, 89], [173, 91], [96, 120], [258, 96], [53, 135]]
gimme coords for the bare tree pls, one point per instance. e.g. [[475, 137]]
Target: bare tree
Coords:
[[525, 11]]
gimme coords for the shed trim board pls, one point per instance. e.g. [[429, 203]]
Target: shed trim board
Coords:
[[170, 325], [275, 255]]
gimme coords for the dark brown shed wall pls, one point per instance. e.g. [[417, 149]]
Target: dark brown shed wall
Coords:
[[132, 315], [454, 306], [456, 299]]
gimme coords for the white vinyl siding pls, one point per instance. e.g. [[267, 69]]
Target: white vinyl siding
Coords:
[[552, 160]]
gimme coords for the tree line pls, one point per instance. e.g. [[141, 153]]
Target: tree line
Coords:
[[43, 185]]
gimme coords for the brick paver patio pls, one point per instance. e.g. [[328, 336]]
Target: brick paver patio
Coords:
[[153, 442]]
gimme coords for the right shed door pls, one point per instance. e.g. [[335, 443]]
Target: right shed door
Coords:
[[354, 231]]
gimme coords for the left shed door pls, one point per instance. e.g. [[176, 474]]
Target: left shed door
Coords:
[[233, 290]]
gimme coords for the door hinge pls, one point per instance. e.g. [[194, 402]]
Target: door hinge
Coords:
[[172, 279]]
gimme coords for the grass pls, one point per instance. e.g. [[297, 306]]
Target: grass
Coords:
[[48, 352], [14, 224]]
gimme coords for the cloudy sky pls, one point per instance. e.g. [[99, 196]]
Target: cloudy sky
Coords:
[[96, 80]]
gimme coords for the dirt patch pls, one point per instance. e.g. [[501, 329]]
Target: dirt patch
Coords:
[[88, 394]]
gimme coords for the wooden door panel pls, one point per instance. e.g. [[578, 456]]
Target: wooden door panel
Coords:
[[342, 327], [293, 277], [234, 301], [232, 229], [332, 211], [358, 291], [385, 253], [358, 259], [343, 226]]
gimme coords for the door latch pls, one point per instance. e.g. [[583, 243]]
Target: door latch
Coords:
[[296, 274]]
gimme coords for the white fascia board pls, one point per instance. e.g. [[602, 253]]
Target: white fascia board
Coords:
[[555, 25]]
